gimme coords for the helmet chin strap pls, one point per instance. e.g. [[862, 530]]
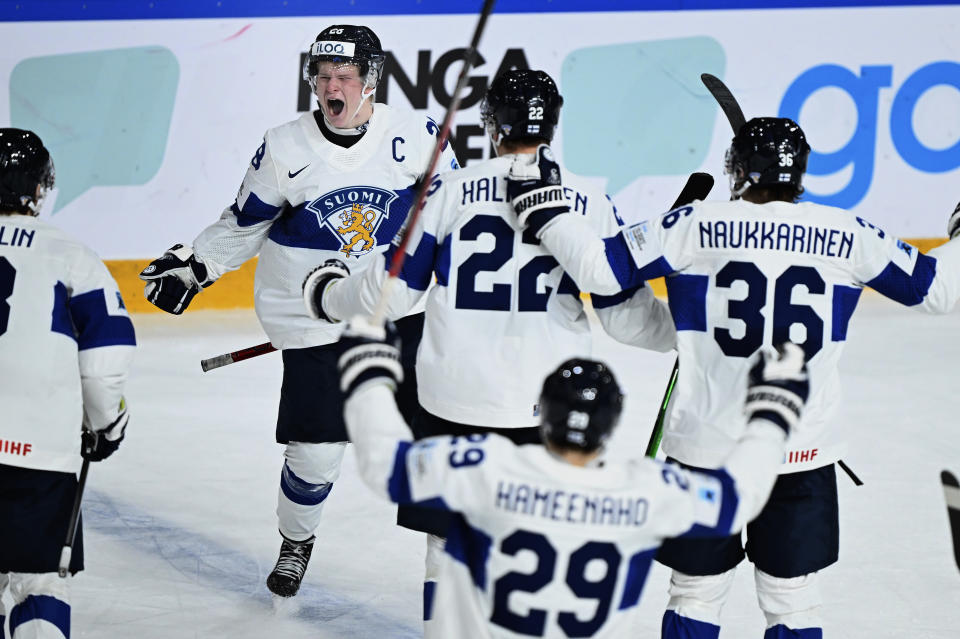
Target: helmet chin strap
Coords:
[[366, 93]]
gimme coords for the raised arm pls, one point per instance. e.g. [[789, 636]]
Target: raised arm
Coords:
[[332, 294], [603, 265], [929, 282], [182, 271]]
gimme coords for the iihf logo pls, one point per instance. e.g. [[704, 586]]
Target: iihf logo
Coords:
[[353, 214]]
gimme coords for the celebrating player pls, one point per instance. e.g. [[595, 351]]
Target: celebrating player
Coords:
[[503, 313], [66, 343], [757, 270], [335, 182], [545, 540]]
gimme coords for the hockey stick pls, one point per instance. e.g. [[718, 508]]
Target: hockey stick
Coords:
[[728, 103], [67, 553], [400, 254], [697, 188], [380, 311], [236, 356], [951, 494]]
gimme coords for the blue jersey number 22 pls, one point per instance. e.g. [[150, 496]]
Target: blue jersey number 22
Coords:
[[498, 298]]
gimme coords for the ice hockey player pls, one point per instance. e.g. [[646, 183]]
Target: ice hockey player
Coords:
[[547, 540], [335, 182], [66, 343], [756, 270], [502, 315]]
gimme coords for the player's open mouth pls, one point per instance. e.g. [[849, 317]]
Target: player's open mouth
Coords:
[[335, 106]]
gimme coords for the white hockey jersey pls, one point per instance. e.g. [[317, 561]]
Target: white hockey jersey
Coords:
[[740, 275], [503, 314], [540, 547], [305, 200], [66, 344]]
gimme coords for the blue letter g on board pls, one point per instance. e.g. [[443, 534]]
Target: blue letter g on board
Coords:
[[861, 148]]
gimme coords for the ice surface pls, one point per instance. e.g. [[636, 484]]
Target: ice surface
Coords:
[[181, 531]]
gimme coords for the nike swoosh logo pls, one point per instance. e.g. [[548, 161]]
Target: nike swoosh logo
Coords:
[[295, 174]]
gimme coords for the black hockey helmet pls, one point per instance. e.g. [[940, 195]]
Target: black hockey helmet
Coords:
[[521, 103], [25, 164], [347, 44], [580, 405], [767, 152]]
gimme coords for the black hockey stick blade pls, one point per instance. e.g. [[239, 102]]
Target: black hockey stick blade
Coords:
[[951, 494], [697, 188], [725, 99]]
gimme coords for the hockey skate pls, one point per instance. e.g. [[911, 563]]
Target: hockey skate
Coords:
[[285, 579]]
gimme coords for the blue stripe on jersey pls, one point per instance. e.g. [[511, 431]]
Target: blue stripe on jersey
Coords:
[[417, 269], [624, 268], [43, 607], [606, 301], [637, 572], [300, 228], [60, 321], [95, 327], [781, 631], [300, 491], [910, 289], [398, 484], [254, 211], [429, 593], [442, 267], [845, 300], [687, 297], [471, 547], [728, 507]]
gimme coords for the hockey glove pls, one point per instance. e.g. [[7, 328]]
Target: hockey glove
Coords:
[[953, 226], [317, 282], [97, 445], [174, 278], [778, 386], [534, 190], [366, 352]]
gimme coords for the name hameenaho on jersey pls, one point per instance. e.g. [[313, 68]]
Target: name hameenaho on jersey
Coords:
[[353, 214]]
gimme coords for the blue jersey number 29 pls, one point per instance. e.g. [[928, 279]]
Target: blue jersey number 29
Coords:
[[7, 274], [534, 621]]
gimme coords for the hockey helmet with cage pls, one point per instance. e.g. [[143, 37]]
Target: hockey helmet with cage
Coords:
[[25, 165], [580, 405], [521, 103], [346, 44], [767, 152]]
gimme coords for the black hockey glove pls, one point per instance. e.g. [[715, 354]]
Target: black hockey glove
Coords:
[[953, 226], [98, 445], [367, 352], [535, 191], [174, 278], [316, 283], [778, 386]]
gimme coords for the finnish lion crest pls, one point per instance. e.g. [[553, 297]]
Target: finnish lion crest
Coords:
[[360, 224], [353, 215]]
